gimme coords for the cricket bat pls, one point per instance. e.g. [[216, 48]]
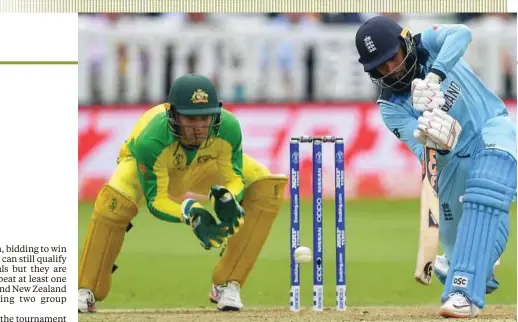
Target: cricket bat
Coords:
[[429, 219]]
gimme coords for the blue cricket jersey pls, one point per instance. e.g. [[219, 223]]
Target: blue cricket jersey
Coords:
[[468, 100]]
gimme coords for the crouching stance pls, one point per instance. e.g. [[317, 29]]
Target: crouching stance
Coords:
[[189, 144]]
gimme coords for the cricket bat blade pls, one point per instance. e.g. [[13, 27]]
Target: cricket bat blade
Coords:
[[429, 220]]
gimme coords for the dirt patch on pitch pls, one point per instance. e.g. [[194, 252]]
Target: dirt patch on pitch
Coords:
[[397, 314]]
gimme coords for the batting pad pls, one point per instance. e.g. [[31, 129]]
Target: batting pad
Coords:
[[112, 215], [482, 235], [262, 202]]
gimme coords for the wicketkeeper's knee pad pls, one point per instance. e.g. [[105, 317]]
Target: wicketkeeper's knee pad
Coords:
[[262, 201], [111, 219]]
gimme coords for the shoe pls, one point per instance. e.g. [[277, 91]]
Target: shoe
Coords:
[[229, 297], [457, 305], [215, 293], [86, 301]]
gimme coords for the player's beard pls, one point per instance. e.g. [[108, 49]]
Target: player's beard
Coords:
[[400, 79], [400, 71], [395, 76]]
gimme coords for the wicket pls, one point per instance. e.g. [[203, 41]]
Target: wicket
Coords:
[[318, 261]]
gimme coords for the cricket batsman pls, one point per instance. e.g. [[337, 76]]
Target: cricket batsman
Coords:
[[188, 144], [431, 97]]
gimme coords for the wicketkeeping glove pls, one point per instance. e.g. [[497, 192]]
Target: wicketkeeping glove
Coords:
[[209, 232], [228, 210]]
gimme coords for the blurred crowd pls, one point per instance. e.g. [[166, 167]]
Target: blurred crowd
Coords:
[[285, 21]]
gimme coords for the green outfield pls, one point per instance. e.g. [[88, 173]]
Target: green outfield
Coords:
[[163, 265]]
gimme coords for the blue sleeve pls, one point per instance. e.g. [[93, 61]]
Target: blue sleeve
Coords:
[[402, 124], [448, 43]]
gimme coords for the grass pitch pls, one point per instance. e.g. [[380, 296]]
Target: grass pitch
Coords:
[[162, 266]]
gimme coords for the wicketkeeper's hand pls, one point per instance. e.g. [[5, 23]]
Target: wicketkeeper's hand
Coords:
[[209, 232], [228, 210], [437, 130], [427, 94]]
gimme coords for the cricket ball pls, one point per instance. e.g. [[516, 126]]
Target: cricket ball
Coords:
[[303, 255]]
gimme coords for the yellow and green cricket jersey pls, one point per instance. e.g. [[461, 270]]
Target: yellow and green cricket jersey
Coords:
[[166, 169]]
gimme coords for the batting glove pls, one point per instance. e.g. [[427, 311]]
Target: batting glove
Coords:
[[437, 130], [426, 93], [228, 210], [203, 224]]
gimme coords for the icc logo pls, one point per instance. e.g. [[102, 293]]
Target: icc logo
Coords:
[[295, 157], [178, 160], [340, 157], [318, 157]]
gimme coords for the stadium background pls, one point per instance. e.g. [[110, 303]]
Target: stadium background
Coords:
[[282, 75]]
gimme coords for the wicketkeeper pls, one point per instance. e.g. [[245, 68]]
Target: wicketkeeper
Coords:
[[431, 97], [189, 144]]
